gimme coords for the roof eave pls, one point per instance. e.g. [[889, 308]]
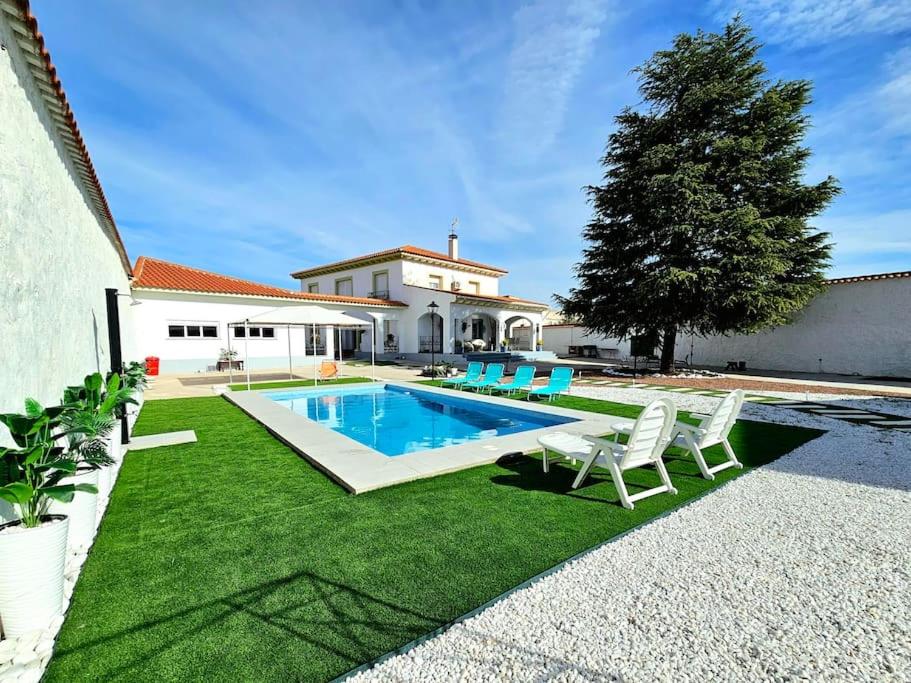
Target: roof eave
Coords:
[[290, 297], [384, 257], [43, 71]]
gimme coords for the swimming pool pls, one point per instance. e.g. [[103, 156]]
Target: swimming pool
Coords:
[[396, 420]]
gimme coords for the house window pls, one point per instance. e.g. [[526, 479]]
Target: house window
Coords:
[[380, 285], [313, 288], [192, 331], [474, 287], [255, 332], [436, 282], [344, 287]]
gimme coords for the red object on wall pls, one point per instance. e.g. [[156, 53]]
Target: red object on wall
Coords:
[[152, 365]]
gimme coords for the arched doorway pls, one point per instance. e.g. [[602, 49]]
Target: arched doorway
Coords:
[[430, 333], [479, 332], [520, 331]]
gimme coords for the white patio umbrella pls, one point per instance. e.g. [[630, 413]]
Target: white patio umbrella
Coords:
[[301, 316]]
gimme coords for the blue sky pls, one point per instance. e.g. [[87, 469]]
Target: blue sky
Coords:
[[254, 139]]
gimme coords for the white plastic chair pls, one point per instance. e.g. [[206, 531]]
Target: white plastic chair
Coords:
[[649, 435], [712, 430]]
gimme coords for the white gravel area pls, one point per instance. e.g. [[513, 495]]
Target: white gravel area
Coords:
[[800, 570], [892, 406]]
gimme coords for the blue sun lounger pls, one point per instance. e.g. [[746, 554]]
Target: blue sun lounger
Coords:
[[560, 381], [522, 380], [472, 374], [492, 376]]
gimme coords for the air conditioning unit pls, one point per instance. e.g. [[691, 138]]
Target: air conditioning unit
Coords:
[[456, 286]]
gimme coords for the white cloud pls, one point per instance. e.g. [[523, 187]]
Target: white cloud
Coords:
[[552, 43], [895, 95], [816, 21], [870, 233]]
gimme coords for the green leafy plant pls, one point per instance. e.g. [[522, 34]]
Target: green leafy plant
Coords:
[[90, 415], [30, 473], [134, 376]]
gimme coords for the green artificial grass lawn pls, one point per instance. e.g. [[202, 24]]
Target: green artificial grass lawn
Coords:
[[289, 383], [233, 559]]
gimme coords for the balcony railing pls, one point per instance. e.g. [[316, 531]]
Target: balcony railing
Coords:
[[379, 294]]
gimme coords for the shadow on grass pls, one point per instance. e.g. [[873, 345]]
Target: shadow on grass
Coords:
[[331, 617], [528, 475]]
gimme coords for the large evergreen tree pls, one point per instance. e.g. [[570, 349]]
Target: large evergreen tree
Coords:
[[701, 223]]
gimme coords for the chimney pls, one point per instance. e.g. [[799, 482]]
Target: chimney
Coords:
[[453, 244]]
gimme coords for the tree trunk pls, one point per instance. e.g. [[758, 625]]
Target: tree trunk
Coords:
[[668, 341]]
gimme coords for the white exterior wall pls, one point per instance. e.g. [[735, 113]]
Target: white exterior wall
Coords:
[[853, 328], [419, 274], [159, 309], [402, 272], [362, 280], [55, 258]]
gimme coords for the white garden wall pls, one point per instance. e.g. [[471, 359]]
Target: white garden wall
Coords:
[[558, 338], [55, 257], [859, 328], [853, 328]]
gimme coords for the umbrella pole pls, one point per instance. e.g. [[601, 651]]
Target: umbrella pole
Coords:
[[230, 364], [313, 337], [290, 371], [339, 351], [247, 350], [373, 348]]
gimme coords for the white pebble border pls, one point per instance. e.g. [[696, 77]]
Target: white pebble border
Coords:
[[800, 570]]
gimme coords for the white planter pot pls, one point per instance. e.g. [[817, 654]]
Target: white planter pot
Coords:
[[115, 448], [32, 562], [82, 511], [104, 481]]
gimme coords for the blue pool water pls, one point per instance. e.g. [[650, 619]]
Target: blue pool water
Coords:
[[396, 420]]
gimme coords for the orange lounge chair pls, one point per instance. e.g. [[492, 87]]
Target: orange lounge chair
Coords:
[[328, 369]]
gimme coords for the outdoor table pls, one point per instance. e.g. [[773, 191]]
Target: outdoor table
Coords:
[[225, 364]]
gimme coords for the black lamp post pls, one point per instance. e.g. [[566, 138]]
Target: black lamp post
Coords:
[[432, 308]]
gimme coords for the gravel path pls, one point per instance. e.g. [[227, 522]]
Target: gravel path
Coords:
[[798, 570]]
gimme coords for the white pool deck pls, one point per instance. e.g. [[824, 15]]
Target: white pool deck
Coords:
[[359, 468]]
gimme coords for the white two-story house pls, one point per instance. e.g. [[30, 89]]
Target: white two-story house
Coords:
[[186, 314], [470, 312]]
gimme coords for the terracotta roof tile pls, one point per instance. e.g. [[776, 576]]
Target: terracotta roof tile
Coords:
[[150, 273], [869, 278], [43, 70], [407, 249]]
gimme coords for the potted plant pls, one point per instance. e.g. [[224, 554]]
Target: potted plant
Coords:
[[136, 380], [89, 418], [227, 358], [33, 548], [540, 344]]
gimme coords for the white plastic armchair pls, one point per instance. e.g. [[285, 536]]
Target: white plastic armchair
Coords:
[[711, 431], [649, 436]]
